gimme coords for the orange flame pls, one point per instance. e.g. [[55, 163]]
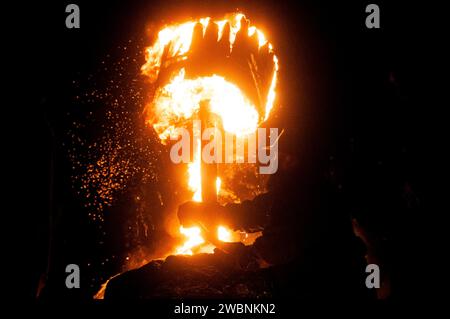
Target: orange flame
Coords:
[[178, 100], [194, 238], [223, 234]]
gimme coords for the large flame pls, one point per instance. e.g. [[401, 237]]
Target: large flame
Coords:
[[176, 102], [180, 99]]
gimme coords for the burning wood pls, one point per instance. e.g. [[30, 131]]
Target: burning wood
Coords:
[[223, 73]]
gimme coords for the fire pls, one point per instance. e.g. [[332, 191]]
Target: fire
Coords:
[[218, 184], [176, 101], [195, 178], [223, 234], [195, 242], [193, 234], [181, 99], [194, 238]]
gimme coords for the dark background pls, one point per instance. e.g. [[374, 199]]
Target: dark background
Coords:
[[350, 105]]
